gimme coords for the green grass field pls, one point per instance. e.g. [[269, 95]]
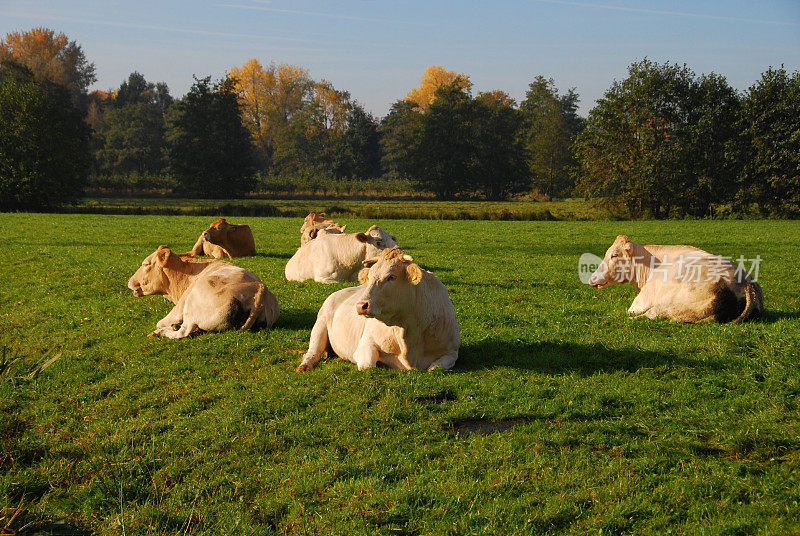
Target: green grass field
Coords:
[[562, 416]]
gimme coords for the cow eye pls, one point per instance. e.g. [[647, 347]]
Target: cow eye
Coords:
[[390, 278]]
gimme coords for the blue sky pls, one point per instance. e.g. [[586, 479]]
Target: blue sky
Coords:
[[378, 50]]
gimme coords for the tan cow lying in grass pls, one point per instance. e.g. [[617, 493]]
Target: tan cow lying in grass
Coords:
[[223, 240], [208, 295], [401, 317], [316, 222], [337, 257], [683, 283]]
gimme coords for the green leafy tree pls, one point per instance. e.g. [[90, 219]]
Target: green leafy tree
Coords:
[[137, 90], [499, 167], [44, 142], [132, 140], [361, 144], [655, 142], [210, 153], [302, 146], [551, 125], [130, 136], [398, 133], [443, 152], [769, 144], [709, 133]]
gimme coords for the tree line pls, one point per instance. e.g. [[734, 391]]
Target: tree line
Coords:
[[662, 142]]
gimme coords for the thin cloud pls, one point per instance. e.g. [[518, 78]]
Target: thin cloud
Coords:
[[312, 13], [150, 27], [670, 13]]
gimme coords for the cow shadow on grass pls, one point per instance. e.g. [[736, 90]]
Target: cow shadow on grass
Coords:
[[771, 316], [272, 255], [556, 357], [296, 319]]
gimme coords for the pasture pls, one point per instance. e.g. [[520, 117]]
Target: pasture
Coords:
[[562, 415]]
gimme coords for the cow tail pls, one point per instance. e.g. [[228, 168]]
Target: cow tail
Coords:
[[258, 308], [754, 302]]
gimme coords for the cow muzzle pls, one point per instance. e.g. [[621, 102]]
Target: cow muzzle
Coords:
[[136, 288], [365, 308]]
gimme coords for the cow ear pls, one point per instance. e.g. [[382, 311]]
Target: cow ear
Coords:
[[313, 233], [369, 262], [343, 227], [408, 258], [361, 237], [414, 274], [163, 255], [363, 276]]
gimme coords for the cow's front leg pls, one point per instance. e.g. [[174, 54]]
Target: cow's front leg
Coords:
[[197, 249], [316, 345], [366, 354], [640, 306], [185, 330], [445, 362], [173, 319]]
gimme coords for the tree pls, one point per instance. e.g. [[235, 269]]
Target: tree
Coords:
[[398, 132], [269, 99], [361, 144], [44, 143], [443, 152], [50, 56], [551, 124], [137, 90], [132, 140], [129, 134], [209, 151], [434, 77], [653, 143], [499, 167], [769, 144]]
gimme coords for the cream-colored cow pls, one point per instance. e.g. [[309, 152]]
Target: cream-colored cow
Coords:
[[337, 257], [683, 283], [209, 295], [401, 317], [316, 222]]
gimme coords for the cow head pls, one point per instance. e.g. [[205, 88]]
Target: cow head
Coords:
[[617, 265], [217, 233], [389, 283], [315, 223], [376, 240], [150, 277]]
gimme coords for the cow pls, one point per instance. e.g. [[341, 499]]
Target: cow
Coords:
[[682, 283], [209, 295], [223, 240], [401, 317], [337, 257], [316, 222]]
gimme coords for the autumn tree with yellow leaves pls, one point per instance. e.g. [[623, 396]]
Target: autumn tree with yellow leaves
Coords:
[[50, 56], [434, 77], [269, 98]]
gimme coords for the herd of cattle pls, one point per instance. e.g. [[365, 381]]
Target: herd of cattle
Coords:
[[401, 315]]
